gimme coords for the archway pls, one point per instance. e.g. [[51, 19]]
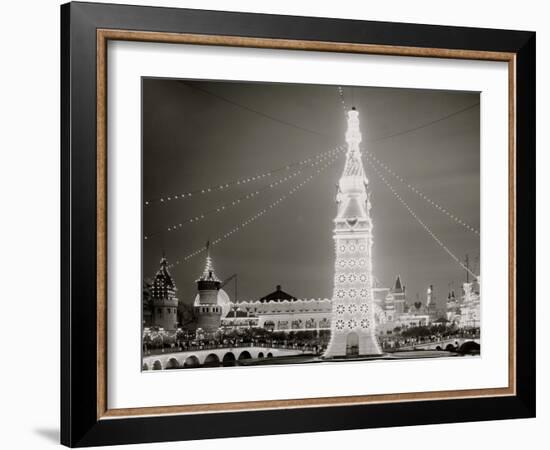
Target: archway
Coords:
[[212, 360], [352, 344], [145, 367], [191, 361], [261, 355], [270, 355], [244, 355], [469, 348], [157, 365], [172, 364], [228, 359]]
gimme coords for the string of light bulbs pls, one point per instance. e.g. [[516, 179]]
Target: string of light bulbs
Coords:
[[423, 196], [251, 219], [236, 202], [419, 220], [165, 199]]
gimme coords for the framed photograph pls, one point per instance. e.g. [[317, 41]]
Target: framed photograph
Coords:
[[276, 224]]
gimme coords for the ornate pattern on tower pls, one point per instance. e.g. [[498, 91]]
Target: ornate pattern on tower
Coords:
[[208, 311], [353, 321], [164, 303]]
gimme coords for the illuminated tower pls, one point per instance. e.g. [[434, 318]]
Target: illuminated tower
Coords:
[[353, 326], [164, 301], [431, 303], [430, 296], [207, 310]]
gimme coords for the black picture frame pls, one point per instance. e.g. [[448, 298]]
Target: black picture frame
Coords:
[[80, 425]]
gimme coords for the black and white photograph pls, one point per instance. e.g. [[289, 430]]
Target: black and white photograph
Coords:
[[296, 223], [275, 225]]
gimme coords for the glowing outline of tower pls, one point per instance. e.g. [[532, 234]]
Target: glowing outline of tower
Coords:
[[353, 325]]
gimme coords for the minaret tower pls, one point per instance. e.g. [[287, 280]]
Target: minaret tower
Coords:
[[353, 326]]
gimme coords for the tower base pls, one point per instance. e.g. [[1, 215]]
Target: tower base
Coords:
[[355, 343]]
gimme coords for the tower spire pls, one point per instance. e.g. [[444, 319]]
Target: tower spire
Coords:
[[164, 264], [398, 287], [352, 197], [208, 272]]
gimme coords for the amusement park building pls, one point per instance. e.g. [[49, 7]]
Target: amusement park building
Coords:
[[281, 311]]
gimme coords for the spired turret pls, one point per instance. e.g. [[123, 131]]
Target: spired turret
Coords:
[[164, 301], [207, 309], [399, 297], [353, 325]]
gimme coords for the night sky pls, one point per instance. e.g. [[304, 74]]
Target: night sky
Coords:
[[199, 134]]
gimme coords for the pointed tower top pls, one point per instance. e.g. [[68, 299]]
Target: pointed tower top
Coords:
[[398, 286], [353, 178], [163, 265], [353, 133], [208, 272], [352, 196], [163, 283]]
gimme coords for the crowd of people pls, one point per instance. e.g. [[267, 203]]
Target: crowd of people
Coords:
[[413, 336], [157, 340]]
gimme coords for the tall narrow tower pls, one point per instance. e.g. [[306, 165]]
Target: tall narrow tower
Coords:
[[207, 310], [164, 301], [353, 327], [399, 297]]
